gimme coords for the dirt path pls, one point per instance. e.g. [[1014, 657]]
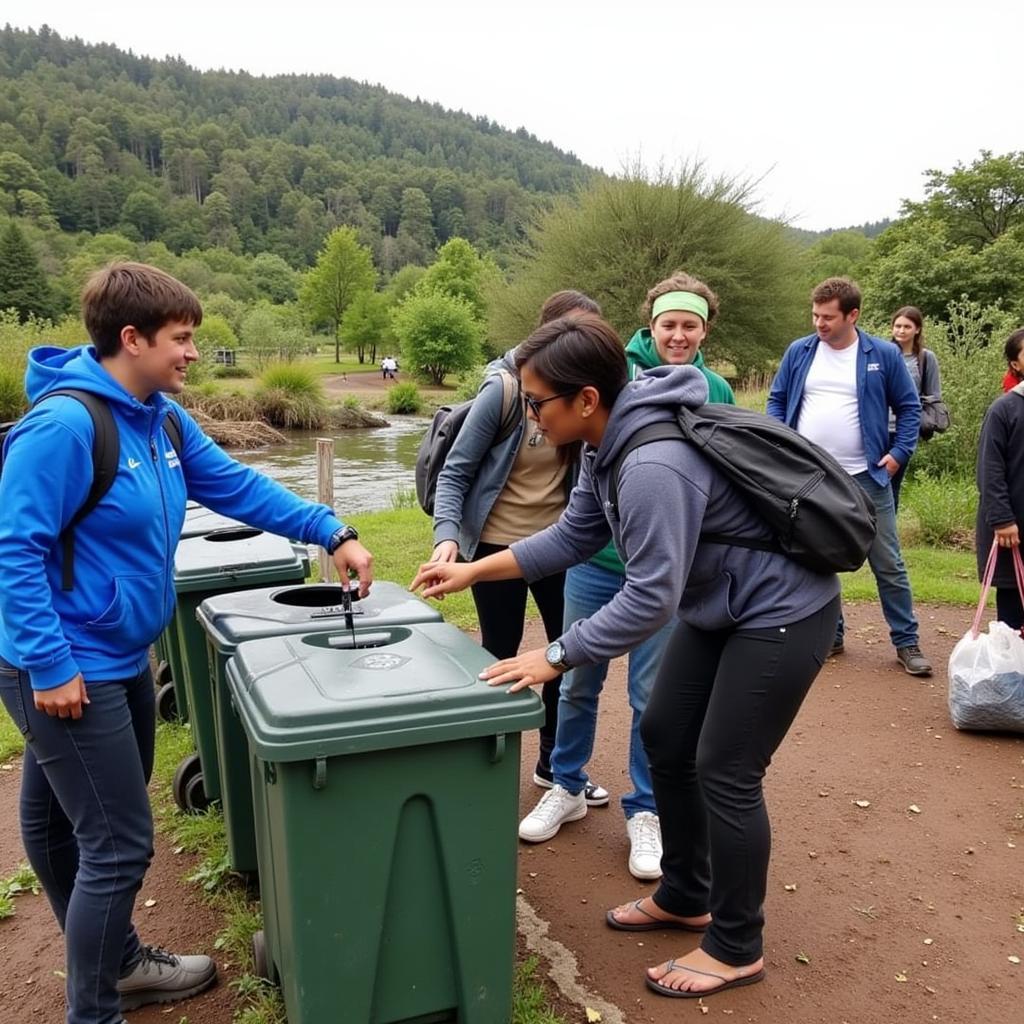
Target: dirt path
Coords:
[[872, 884]]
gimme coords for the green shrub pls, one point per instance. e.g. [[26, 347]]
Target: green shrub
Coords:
[[12, 393], [291, 396], [969, 349], [232, 371], [469, 383], [404, 398], [938, 511], [351, 402]]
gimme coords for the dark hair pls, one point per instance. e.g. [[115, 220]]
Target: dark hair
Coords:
[[565, 302], [575, 352], [134, 295], [841, 288], [1014, 343], [913, 314], [680, 281]]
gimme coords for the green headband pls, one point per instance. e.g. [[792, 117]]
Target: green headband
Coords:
[[688, 301]]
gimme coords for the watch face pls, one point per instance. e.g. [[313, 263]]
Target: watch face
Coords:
[[555, 653]]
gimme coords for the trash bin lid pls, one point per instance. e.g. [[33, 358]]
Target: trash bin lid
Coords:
[[232, 618], [238, 554], [317, 695], [199, 520]]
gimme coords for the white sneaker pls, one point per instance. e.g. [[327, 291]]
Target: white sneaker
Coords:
[[555, 808], [644, 831]]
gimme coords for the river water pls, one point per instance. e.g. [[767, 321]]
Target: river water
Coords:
[[371, 465]]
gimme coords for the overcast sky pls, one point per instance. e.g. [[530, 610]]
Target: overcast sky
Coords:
[[836, 108]]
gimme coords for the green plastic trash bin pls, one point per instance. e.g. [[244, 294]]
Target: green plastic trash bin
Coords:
[[171, 700], [231, 619], [386, 784], [239, 558]]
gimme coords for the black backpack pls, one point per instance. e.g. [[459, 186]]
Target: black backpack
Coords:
[[106, 453], [445, 427], [819, 514]]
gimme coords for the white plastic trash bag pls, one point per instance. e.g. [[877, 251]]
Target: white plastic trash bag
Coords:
[[986, 670], [986, 680]]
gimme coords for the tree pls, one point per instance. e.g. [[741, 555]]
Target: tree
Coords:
[[458, 271], [841, 254], [23, 286], [977, 203], [623, 235], [145, 212], [274, 278], [344, 268], [366, 323], [268, 335], [438, 333]]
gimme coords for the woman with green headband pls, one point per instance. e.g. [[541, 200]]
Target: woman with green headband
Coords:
[[679, 311]]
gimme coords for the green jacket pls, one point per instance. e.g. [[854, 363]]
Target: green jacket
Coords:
[[641, 354]]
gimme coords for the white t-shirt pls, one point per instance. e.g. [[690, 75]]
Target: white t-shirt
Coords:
[[829, 415]]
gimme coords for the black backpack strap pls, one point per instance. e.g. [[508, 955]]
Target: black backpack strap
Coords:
[[106, 453], [667, 431], [172, 428]]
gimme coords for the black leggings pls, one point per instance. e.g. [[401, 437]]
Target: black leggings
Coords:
[[1009, 608], [721, 705], [501, 609]]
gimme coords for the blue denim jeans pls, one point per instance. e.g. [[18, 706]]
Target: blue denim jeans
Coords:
[[588, 588], [886, 563], [87, 827]]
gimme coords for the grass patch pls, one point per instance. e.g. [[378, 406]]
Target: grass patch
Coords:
[[937, 576], [21, 881], [529, 999], [12, 743]]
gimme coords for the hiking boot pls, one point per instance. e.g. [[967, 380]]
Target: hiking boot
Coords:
[[556, 807], [595, 795], [837, 648], [644, 831], [162, 977], [911, 658]]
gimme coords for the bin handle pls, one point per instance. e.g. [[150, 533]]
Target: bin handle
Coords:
[[320, 773], [498, 750]]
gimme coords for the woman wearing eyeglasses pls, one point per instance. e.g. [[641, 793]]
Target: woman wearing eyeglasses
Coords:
[[753, 631], [680, 310], [495, 490]]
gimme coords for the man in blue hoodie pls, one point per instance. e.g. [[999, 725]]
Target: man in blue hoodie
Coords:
[[836, 387], [74, 669]]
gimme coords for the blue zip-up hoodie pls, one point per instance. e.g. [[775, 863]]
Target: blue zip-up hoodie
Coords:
[[668, 495], [883, 383], [123, 594]]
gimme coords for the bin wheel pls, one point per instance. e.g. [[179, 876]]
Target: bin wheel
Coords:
[[187, 787], [167, 703], [260, 964], [163, 675]]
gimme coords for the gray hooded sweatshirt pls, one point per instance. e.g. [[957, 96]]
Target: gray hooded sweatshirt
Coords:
[[668, 494]]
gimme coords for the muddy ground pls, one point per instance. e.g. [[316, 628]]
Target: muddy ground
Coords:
[[903, 916]]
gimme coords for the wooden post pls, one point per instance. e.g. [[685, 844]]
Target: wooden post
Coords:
[[325, 494]]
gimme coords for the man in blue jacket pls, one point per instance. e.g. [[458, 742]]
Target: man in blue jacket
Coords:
[[836, 387], [74, 669]]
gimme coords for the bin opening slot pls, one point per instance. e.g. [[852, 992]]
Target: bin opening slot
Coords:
[[326, 600], [358, 642], [242, 533]]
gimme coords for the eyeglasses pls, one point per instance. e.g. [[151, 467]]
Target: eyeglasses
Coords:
[[534, 404]]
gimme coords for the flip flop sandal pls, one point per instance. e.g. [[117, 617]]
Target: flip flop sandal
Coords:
[[654, 925], [677, 993]]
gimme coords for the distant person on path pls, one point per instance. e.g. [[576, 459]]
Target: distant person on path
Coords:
[[679, 311], [837, 387], [1000, 478], [922, 365], [1014, 361], [384, 368], [74, 659], [490, 495], [753, 630]]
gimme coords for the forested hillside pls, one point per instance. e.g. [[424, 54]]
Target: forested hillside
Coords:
[[95, 139]]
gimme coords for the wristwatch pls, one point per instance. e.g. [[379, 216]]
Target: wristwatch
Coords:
[[555, 656], [339, 537]]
